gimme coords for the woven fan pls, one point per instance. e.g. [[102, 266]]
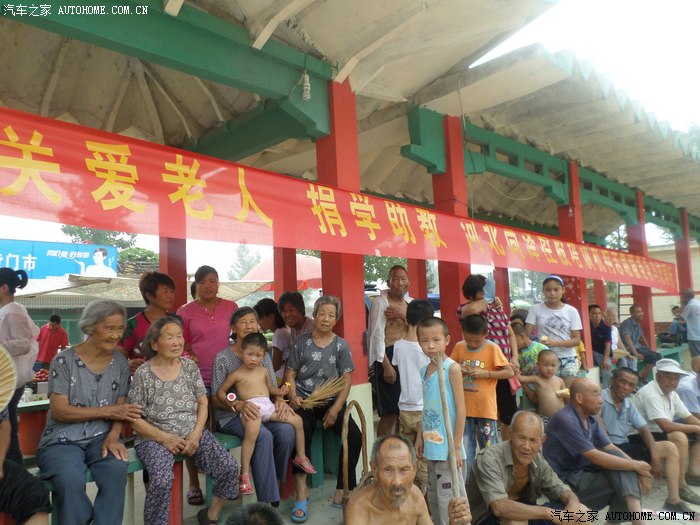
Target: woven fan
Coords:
[[8, 377], [325, 391]]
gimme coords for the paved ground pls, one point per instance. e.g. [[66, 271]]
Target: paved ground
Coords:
[[321, 512]]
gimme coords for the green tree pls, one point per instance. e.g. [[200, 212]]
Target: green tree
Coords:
[[137, 260], [377, 268], [82, 235], [243, 263], [617, 240]]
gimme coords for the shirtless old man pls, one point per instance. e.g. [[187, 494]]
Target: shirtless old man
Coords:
[[393, 499]]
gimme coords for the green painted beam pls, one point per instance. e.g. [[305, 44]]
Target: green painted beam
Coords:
[[263, 127], [510, 158], [202, 45], [427, 147], [694, 227], [663, 214], [544, 230], [597, 189]]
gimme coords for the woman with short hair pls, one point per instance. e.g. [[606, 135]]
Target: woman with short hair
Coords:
[[88, 384], [316, 357], [175, 408]]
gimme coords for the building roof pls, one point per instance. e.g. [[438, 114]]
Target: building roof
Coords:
[[396, 54]]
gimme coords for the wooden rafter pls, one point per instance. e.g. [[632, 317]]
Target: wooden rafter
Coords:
[[262, 27], [172, 7], [169, 99], [53, 79], [385, 31], [211, 98], [118, 99], [151, 109]]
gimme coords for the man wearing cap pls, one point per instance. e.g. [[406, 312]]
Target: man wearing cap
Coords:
[[635, 342], [668, 418], [691, 314], [620, 417]]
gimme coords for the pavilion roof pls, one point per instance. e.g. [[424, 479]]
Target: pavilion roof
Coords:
[[396, 54]]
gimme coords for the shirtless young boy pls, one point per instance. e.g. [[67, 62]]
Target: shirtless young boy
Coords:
[[252, 383], [550, 389]]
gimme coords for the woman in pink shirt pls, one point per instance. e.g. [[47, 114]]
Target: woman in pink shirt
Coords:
[[208, 320]]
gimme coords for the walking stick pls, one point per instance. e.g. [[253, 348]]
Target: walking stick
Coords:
[[448, 427]]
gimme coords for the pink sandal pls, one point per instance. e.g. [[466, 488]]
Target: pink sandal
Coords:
[[244, 485], [304, 464]]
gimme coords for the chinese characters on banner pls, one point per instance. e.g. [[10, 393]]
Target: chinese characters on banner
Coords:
[[71, 174]]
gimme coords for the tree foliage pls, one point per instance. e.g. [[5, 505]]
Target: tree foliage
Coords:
[[243, 263], [137, 260], [82, 235]]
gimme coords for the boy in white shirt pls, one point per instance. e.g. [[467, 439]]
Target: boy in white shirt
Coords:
[[409, 358]]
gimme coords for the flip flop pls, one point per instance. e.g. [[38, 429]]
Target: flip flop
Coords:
[[302, 506], [299, 462], [195, 497]]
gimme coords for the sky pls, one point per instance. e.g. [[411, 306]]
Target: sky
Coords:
[[648, 48]]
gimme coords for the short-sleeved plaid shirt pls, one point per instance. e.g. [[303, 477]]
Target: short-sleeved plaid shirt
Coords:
[[498, 328]]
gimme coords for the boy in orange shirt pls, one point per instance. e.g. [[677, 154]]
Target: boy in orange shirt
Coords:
[[483, 364]]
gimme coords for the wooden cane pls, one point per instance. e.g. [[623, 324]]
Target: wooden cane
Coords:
[[448, 428]]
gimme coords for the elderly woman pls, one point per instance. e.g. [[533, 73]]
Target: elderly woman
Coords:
[[171, 391], [88, 384], [275, 441], [316, 357]]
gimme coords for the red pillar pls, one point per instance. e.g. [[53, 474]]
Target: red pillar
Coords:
[[172, 260], [338, 164], [600, 294], [500, 276], [419, 278], [450, 196], [637, 242], [684, 261], [285, 264], [571, 229]]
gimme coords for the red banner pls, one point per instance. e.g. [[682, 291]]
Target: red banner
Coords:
[[75, 175]]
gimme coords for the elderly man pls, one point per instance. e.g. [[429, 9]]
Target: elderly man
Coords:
[[508, 478], [581, 453], [635, 342], [691, 314], [621, 416], [689, 388], [668, 418], [387, 324], [393, 499]]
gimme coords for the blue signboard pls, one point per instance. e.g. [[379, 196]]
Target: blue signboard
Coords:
[[56, 259]]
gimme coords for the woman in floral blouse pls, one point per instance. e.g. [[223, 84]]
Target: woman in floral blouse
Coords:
[[174, 400], [314, 358]]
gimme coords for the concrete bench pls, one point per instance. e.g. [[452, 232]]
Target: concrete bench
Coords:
[[135, 465]]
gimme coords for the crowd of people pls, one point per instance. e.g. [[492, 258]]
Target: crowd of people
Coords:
[[158, 371]]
